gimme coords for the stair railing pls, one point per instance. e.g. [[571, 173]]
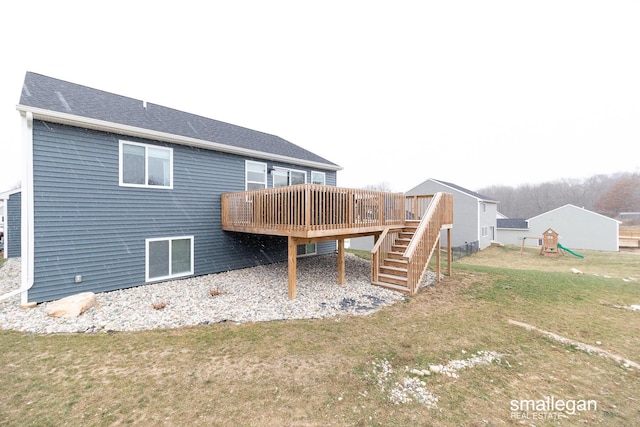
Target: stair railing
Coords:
[[427, 238], [381, 249]]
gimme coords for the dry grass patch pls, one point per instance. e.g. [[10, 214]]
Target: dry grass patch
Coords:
[[323, 372], [600, 263]]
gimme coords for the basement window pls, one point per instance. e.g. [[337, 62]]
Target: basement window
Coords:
[[307, 249], [167, 258]]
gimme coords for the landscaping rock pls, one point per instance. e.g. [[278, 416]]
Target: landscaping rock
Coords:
[[72, 306]]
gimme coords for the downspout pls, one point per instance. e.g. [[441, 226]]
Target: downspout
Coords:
[[27, 237]]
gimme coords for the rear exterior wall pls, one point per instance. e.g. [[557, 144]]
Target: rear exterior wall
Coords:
[[86, 224]]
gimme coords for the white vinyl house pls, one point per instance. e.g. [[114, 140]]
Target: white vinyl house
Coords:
[[578, 228]]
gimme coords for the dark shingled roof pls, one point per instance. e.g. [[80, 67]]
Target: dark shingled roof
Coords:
[[60, 96], [512, 223], [464, 190]]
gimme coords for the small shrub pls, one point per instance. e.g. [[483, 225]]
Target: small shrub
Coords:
[[159, 305]]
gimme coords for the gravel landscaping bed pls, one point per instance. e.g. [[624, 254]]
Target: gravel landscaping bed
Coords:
[[254, 294]]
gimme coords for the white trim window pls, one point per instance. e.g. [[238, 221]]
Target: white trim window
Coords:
[[168, 258], [255, 175], [145, 165], [307, 249], [318, 178], [285, 177]]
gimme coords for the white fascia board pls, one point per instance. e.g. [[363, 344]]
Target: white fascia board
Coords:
[[79, 121], [7, 194]]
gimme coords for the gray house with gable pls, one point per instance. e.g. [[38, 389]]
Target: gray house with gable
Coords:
[[474, 217], [119, 192]]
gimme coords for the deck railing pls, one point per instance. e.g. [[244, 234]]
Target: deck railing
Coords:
[[317, 209]]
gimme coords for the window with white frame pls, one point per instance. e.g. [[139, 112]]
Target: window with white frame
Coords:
[[255, 175], [285, 177], [318, 178], [145, 165], [169, 257], [307, 249]]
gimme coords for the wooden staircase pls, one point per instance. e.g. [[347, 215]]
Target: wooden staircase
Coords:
[[393, 270], [401, 255]]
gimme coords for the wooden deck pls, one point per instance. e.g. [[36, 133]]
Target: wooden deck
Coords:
[[311, 213], [628, 239]]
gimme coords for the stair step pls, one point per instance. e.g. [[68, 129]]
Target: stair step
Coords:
[[391, 262], [395, 255], [398, 288], [404, 241], [393, 279], [398, 248], [393, 271]]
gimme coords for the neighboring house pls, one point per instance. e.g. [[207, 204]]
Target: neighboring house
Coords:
[[2, 215], [578, 228], [10, 211], [119, 192], [511, 231], [474, 216]]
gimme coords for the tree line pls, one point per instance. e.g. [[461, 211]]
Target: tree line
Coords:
[[608, 195]]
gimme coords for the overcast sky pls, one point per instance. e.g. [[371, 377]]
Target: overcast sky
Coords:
[[474, 92]]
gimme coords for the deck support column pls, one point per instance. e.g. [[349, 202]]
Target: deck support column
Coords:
[[449, 254], [292, 266], [341, 275], [438, 259]]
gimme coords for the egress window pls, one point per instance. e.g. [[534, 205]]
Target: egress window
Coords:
[[144, 165], [169, 257]]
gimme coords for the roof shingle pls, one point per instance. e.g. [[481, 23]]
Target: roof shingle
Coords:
[[60, 96]]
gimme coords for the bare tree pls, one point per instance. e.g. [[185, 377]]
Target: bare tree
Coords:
[[622, 196], [381, 186], [605, 194]]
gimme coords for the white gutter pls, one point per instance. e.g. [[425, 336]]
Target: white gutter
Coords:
[[71, 119], [26, 225]]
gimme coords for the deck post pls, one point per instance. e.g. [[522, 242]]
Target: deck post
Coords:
[[291, 266], [341, 274], [438, 258], [307, 207], [449, 254]]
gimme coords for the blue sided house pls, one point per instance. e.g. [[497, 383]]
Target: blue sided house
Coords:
[[119, 192]]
